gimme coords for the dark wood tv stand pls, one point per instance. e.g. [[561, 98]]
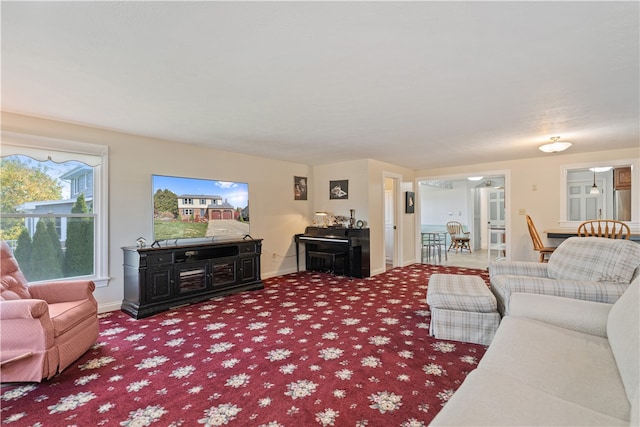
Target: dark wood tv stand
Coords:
[[158, 278]]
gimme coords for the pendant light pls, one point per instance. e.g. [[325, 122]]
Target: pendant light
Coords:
[[594, 187]]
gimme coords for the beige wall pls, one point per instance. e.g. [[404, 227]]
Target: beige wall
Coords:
[[533, 185], [356, 173], [275, 215]]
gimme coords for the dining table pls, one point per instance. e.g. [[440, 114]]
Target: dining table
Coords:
[[433, 241]]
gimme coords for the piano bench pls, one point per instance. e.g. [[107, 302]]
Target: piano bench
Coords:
[[327, 257]]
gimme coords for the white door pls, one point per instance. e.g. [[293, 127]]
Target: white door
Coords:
[[389, 226], [496, 207], [476, 239], [496, 221], [581, 204]]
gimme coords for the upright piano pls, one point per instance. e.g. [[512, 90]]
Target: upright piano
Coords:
[[353, 241]]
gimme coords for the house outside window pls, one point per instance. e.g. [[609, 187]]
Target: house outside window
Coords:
[[54, 207]]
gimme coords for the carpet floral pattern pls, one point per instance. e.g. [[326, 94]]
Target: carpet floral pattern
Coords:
[[311, 349]]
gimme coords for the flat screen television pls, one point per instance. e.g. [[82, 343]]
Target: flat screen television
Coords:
[[195, 208]]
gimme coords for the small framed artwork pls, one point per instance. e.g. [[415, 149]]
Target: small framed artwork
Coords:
[[299, 188], [339, 189], [409, 202]]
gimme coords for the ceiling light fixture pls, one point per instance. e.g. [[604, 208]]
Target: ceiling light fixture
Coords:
[[601, 169], [474, 178], [594, 187], [555, 146]]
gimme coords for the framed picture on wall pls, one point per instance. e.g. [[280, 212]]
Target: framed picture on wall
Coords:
[[339, 189], [299, 188], [409, 202]]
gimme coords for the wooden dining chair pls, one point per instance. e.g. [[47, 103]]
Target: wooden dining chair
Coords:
[[545, 251], [460, 239], [609, 228]]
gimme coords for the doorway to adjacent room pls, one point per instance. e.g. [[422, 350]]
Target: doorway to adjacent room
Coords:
[[478, 203], [391, 220]]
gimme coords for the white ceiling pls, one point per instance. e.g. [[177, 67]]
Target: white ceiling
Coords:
[[417, 84]]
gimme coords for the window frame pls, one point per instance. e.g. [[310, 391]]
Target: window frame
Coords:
[[43, 148], [565, 221]]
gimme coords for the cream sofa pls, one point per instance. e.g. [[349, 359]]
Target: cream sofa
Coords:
[[588, 268], [556, 361]]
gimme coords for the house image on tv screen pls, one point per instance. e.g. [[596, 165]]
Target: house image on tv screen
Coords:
[[198, 207]]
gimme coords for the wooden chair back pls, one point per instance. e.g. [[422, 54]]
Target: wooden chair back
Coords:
[[454, 228], [609, 228], [535, 237]]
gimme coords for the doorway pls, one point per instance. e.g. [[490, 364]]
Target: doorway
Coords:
[[391, 218], [478, 203]]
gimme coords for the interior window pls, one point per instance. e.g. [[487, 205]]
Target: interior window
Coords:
[[599, 191]]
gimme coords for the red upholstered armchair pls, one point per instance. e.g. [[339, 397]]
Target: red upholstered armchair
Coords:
[[44, 327]]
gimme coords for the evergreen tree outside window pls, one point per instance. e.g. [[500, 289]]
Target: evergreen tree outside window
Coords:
[[23, 250], [53, 208], [78, 260], [45, 263]]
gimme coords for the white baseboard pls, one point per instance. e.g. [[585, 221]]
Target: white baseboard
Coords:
[[268, 275], [110, 306]]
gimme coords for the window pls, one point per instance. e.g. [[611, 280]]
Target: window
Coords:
[[188, 201], [54, 207], [188, 211], [578, 204]]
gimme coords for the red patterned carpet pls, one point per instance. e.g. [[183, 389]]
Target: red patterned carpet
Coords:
[[310, 349]]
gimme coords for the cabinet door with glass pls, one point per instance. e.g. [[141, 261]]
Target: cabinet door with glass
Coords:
[[224, 271], [192, 278]]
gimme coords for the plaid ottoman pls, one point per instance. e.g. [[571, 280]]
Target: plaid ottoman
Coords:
[[462, 308]]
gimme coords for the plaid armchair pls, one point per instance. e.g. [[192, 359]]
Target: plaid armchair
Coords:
[[44, 327], [588, 268]]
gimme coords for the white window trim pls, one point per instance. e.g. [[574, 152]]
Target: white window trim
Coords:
[[635, 183], [43, 148]]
